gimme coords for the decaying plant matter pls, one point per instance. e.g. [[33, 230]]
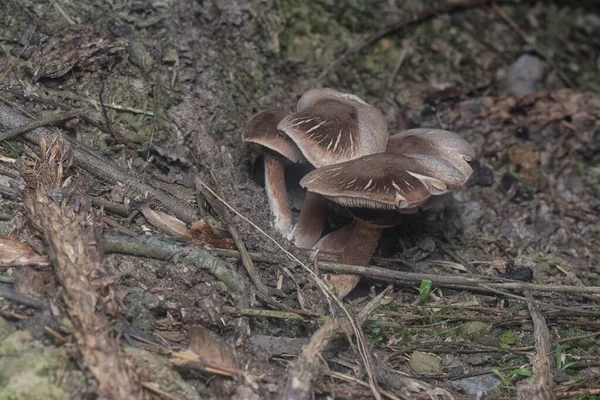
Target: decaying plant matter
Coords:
[[72, 231]]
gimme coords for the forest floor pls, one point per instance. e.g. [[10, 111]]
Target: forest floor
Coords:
[[495, 292]]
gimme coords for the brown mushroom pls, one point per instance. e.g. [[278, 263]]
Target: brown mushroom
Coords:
[[262, 129], [434, 142], [390, 182], [330, 127]]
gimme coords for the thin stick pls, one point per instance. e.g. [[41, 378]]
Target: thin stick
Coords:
[[39, 123], [401, 58], [246, 259], [581, 392], [490, 285], [153, 387], [16, 297], [29, 97], [123, 108], [257, 312], [543, 303], [425, 15], [351, 379]]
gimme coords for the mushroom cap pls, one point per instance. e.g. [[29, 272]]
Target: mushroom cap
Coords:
[[385, 181], [434, 142], [262, 129], [332, 127]]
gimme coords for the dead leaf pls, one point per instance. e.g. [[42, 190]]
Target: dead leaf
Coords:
[[210, 351], [211, 348], [200, 232], [18, 254]]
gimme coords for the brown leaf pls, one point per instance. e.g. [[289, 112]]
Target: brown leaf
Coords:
[[17, 254], [211, 348], [200, 232]]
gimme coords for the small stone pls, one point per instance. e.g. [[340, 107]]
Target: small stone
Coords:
[[475, 327], [139, 56], [525, 75], [425, 363]]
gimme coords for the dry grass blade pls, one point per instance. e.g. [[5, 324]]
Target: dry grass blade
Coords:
[[73, 232], [361, 345], [539, 387]]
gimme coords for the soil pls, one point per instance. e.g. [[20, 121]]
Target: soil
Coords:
[[168, 87]]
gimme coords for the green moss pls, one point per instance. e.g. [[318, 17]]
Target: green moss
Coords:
[[12, 148], [6, 328], [28, 369], [507, 339], [161, 372]]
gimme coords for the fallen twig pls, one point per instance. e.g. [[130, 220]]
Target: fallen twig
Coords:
[[243, 252], [16, 297], [449, 281], [581, 392], [303, 372], [122, 108], [36, 99], [153, 387], [39, 123], [162, 249]]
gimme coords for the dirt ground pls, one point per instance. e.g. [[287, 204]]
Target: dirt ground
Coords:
[[165, 89]]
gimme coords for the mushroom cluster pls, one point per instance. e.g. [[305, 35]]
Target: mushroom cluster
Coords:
[[357, 165]]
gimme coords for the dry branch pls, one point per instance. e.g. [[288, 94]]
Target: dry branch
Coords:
[[39, 123], [162, 249], [73, 233]]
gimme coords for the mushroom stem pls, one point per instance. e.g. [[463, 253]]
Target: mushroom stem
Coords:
[[358, 251], [362, 243], [311, 221], [277, 193]]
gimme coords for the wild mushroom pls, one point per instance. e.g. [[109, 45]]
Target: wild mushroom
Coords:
[[390, 182], [262, 129], [330, 127]]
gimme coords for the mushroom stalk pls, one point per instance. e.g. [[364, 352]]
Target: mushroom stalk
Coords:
[[359, 249], [362, 243], [311, 221], [277, 193]]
